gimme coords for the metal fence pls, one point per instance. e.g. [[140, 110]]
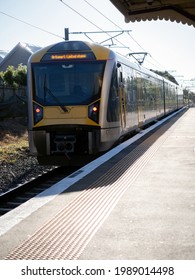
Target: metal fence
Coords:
[[13, 102]]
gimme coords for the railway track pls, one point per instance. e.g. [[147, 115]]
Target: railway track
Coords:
[[23, 193], [16, 196]]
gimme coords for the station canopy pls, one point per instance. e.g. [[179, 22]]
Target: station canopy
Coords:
[[141, 10]]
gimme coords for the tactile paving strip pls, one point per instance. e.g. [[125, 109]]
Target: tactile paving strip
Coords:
[[68, 233]]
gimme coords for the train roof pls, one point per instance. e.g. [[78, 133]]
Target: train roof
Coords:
[[142, 69], [104, 52]]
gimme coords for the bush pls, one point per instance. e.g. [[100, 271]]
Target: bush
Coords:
[[21, 75], [14, 77], [8, 76]]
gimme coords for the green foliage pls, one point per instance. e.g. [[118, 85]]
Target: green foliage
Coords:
[[21, 75], [8, 76], [1, 75], [165, 75], [189, 96], [14, 77]]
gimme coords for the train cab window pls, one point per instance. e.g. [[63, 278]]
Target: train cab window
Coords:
[[67, 83], [113, 99]]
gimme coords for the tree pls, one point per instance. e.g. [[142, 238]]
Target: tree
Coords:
[[1, 78], [165, 75], [21, 75], [14, 77], [8, 76]]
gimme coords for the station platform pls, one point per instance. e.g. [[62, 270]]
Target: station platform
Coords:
[[139, 205]]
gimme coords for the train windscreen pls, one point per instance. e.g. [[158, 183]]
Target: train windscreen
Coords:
[[71, 83]]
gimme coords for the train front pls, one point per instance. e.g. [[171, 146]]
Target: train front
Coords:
[[64, 84]]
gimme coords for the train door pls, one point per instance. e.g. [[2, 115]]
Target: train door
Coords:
[[164, 96], [140, 101], [122, 98]]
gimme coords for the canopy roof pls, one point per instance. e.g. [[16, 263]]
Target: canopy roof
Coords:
[[175, 10]]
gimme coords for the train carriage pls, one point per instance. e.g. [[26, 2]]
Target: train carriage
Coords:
[[83, 98]]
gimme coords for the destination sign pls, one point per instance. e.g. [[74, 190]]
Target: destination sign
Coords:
[[68, 56]]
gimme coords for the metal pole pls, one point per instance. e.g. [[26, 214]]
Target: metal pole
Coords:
[[66, 32]]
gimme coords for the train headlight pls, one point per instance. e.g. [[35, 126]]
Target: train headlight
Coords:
[[38, 113], [93, 111]]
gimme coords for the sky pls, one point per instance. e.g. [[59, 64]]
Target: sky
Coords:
[[170, 45]]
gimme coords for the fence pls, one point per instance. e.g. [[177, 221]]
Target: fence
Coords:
[[13, 102]]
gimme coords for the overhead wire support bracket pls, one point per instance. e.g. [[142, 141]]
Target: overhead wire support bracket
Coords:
[[95, 32], [111, 38], [120, 32]]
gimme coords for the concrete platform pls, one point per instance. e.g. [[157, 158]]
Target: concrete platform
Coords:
[[138, 205], [155, 218]]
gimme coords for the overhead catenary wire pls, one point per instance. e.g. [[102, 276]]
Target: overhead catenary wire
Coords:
[[65, 4], [89, 21], [61, 37], [51, 33], [113, 23], [32, 25], [98, 11]]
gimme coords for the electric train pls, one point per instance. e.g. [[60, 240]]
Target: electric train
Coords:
[[83, 98]]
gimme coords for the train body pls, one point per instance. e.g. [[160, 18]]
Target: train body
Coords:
[[83, 98]]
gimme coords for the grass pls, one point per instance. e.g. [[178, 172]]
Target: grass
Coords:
[[10, 152], [13, 141]]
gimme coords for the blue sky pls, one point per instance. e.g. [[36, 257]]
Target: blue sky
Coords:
[[170, 45]]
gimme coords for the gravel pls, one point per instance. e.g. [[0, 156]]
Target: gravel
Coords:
[[24, 169], [16, 164]]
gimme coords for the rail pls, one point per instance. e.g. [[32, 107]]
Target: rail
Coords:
[[22, 193]]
